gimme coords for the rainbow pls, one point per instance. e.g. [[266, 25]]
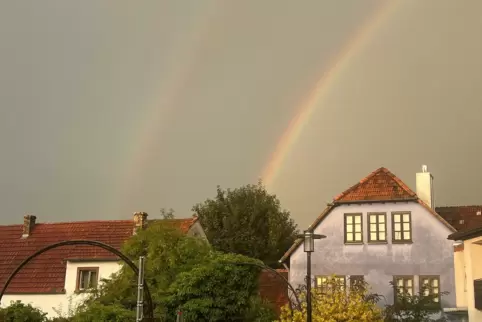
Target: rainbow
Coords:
[[163, 103], [307, 106]]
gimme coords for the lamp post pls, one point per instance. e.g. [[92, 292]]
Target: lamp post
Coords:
[[309, 247]]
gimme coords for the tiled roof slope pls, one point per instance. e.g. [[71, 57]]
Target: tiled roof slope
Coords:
[[46, 273], [462, 217], [273, 289], [381, 184]]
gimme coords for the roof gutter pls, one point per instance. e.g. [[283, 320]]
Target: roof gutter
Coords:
[[464, 235], [348, 202]]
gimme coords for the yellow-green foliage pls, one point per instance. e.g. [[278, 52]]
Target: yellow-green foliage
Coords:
[[333, 303]]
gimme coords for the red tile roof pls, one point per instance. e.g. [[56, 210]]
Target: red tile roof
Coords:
[[46, 273], [381, 184], [462, 217], [273, 289]]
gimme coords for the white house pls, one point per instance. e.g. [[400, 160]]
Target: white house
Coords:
[[55, 280], [468, 272], [381, 231]]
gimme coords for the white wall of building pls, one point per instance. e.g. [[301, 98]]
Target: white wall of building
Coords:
[[63, 304], [473, 269]]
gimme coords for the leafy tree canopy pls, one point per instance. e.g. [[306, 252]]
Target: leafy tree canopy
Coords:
[[418, 307], [333, 303], [248, 221], [167, 214], [19, 312], [181, 272]]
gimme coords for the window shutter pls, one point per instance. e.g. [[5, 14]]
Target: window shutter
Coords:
[[478, 294]]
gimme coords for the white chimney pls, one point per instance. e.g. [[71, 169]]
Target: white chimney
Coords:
[[424, 183]]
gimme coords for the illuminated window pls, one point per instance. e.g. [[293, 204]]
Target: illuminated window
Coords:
[[430, 286], [353, 228], [357, 281], [403, 285], [322, 282], [377, 224], [401, 227]]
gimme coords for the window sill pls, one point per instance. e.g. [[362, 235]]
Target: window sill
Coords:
[[434, 307], [354, 243], [377, 242], [401, 242], [83, 291]]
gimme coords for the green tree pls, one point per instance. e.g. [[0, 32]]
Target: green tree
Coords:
[[96, 312], [167, 214], [218, 291], [180, 271], [19, 312], [248, 221]]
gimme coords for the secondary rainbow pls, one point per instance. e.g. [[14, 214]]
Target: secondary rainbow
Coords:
[[313, 100], [162, 105]]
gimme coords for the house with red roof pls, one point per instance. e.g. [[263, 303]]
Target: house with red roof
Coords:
[[381, 231], [468, 272], [467, 258], [55, 280]]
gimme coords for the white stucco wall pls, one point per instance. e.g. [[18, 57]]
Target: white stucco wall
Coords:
[[431, 253], [460, 280], [473, 269], [53, 304]]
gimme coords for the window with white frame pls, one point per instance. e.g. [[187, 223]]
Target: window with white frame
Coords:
[[87, 278]]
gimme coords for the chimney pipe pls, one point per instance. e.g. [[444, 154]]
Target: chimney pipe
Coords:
[[140, 220], [28, 224], [424, 184]]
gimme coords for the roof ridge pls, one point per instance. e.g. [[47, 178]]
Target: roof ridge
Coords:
[[353, 187], [370, 176], [84, 222], [402, 184]]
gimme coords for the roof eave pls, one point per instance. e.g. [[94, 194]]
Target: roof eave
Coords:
[[334, 204], [312, 227], [348, 202], [464, 235]]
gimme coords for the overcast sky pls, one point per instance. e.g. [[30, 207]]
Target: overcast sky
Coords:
[[111, 107]]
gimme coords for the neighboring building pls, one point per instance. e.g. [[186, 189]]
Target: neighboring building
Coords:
[[380, 231], [55, 280], [273, 289], [468, 255], [468, 270], [462, 217]]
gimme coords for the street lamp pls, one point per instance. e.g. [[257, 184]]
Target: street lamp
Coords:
[[309, 247]]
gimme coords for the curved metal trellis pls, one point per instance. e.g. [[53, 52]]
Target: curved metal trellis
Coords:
[[150, 308]]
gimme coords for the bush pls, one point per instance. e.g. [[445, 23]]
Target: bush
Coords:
[[413, 308], [333, 303], [19, 312]]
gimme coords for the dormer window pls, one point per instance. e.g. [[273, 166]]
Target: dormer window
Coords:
[[87, 278]]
